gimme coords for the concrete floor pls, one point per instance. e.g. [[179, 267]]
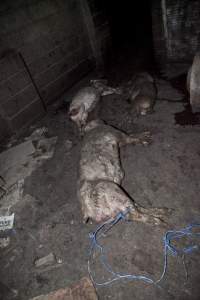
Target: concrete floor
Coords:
[[48, 219]]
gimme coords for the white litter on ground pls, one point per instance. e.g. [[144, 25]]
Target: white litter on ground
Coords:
[[6, 222], [19, 162]]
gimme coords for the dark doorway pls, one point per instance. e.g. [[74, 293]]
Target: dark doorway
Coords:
[[131, 32], [130, 22]]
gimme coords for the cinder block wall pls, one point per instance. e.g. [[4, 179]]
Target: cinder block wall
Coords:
[[176, 29], [101, 25], [54, 43]]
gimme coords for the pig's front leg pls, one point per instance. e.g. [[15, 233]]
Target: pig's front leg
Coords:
[[142, 138]]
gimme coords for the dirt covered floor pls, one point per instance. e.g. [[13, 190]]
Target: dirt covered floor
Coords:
[[48, 218]]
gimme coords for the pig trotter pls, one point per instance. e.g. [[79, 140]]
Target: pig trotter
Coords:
[[144, 138]]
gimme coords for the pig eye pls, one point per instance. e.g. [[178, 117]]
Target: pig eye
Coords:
[[73, 112]]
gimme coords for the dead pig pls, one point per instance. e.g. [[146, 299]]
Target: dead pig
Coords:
[[83, 102], [143, 94], [101, 174]]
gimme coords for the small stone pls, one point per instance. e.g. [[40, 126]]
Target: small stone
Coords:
[[46, 260], [4, 242], [72, 222]]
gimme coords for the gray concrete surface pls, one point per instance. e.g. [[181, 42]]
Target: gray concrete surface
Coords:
[[48, 219]]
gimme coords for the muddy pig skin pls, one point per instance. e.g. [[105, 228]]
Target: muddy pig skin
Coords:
[[83, 102], [101, 174], [143, 94]]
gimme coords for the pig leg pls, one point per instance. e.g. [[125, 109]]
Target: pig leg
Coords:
[[151, 215], [143, 138], [103, 200]]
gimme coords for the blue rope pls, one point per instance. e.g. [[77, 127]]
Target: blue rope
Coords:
[[169, 249]]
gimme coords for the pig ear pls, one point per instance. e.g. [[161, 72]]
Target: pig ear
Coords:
[[74, 112]]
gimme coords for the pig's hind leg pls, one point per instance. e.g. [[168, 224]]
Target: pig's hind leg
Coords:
[[154, 216], [106, 199]]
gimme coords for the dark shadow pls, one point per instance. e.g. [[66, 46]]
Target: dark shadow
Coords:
[[131, 33]]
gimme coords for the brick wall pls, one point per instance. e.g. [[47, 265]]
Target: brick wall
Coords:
[[176, 29], [53, 41]]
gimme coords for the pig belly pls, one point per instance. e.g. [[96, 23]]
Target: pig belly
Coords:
[[102, 164]]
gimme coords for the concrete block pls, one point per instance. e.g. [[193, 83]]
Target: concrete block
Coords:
[[13, 20], [35, 30], [53, 56], [21, 100], [27, 116], [10, 5], [64, 65], [56, 88], [37, 47], [66, 24], [4, 5], [42, 9], [12, 40], [9, 87], [5, 130], [81, 70], [10, 64]]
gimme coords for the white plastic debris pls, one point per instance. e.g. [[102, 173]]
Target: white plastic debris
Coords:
[[46, 260], [6, 222]]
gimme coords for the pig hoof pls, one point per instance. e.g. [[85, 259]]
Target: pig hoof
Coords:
[[86, 220], [160, 215], [145, 138]]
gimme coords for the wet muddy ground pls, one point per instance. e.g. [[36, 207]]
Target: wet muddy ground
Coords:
[[48, 218]]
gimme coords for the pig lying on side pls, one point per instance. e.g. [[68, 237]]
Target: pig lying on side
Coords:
[[101, 174], [83, 102], [143, 94]]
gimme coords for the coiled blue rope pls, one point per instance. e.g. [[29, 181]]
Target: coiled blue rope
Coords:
[[169, 249]]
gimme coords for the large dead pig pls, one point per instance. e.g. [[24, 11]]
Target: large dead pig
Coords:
[[83, 102], [142, 94], [101, 174]]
